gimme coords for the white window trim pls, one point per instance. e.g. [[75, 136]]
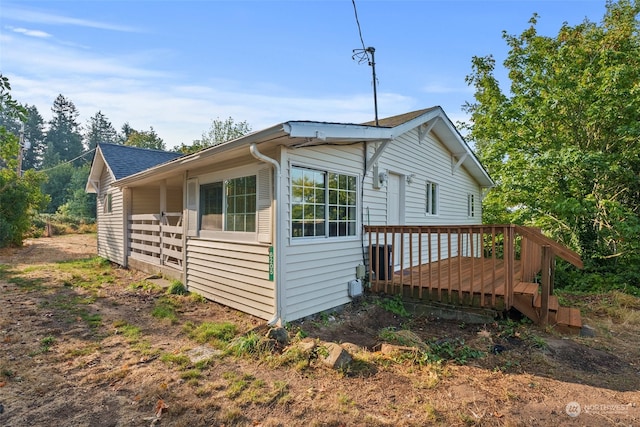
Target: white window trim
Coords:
[[326, 238], [471, 205], [226, 175], [427, 191]]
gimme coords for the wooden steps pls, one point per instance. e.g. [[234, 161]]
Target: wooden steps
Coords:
[[528, 301]]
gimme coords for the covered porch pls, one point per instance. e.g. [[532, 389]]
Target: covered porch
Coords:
[[155, 232], [487, 266]]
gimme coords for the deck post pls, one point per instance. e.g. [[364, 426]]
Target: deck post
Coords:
[[509, 260], [547, 260]]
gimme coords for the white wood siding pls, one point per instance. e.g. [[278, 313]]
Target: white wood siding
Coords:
[[233, 274], [145, 200], [317, 271], [110, 225], [426, 161]]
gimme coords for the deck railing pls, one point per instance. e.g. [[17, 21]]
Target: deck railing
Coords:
[[157, 238], [476, 264]]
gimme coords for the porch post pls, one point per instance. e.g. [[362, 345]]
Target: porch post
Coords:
[[163, 209], [547, 260]]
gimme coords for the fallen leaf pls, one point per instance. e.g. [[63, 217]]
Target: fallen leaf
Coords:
[[484, 333], [160, 406], [498, 415], [3, 383]]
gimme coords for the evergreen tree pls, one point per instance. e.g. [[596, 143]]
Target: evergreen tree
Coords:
[[34, 137], [64, 140], [100, 129]]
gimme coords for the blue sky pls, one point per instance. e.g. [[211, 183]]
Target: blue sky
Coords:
[[177, 65]]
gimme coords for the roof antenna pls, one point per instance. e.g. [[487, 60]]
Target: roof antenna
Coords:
[[362, 55]]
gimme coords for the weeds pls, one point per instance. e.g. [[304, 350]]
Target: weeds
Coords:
[[215, 333], [393, 305], [165, 308], [177, 288]]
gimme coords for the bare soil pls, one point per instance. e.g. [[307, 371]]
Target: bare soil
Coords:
[[65, 360]]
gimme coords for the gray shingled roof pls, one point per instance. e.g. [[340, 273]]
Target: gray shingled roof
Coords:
[[124, 160]]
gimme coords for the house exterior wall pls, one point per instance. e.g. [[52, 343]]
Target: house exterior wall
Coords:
[[111, 231], [233, 274], [426, 161], [318, 269], [224, 269]]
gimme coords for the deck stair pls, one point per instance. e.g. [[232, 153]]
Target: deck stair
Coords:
[[528, 301]]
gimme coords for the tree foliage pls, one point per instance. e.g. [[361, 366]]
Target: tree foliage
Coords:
[[563, 144], [100, 129], [219, 132], [20, 196], [142, 139], [64, 139]]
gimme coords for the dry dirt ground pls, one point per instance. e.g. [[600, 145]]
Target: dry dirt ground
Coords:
[[85, 346]]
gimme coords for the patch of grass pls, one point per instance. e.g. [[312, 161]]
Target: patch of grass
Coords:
[[403, 337], [27, 284], [214, 333], [177, 288], [246, 345], [5, 271], [131, 332], [237, 384], [145, 286], [165, 308], [83, 351], [197, 298], [393, 305], [454, 350], [45, 345], [191, 374], [92, 264], [178, 359]]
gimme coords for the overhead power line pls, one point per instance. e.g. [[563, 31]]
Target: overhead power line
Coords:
[[362, 56]]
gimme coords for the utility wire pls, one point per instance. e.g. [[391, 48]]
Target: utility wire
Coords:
[[360, 55], [68, 161]]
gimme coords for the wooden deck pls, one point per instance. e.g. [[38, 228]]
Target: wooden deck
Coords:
[[460, 278], [497, 268]]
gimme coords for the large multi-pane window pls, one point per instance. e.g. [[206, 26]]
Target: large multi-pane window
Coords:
[[323, 204], [229, 205], [431, 205]]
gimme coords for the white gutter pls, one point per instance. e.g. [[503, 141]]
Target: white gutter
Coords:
[[277, 233]]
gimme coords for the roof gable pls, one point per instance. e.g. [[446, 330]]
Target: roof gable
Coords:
[[123, 161]]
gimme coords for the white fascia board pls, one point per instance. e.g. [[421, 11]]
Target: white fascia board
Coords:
[[336, 131]]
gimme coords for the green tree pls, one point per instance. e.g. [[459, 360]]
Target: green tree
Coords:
[[20, 196], [34, 136], [142, 139], [219, 132], [563, 144], [64, 140], [100, 129], [79, 203], [58, 185]]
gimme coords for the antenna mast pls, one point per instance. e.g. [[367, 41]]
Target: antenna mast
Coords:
[[363, 55]]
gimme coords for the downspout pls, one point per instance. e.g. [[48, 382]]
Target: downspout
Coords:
[[277, 233]]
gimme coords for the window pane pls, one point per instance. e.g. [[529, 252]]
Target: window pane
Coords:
[[333, 198], [211, 206]]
